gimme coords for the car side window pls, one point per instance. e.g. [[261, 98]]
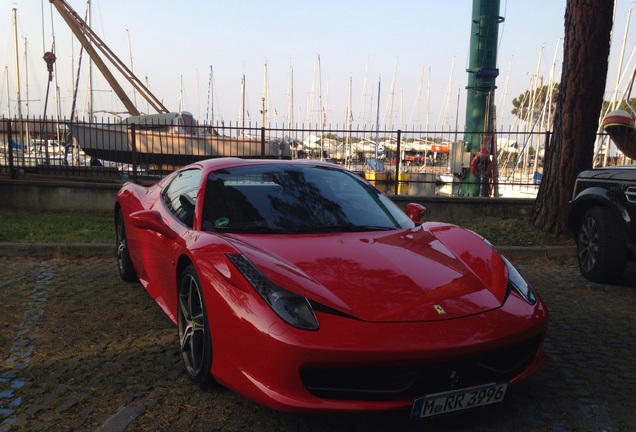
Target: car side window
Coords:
[[181, 194]]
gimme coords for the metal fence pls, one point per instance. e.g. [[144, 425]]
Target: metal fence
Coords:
[[143, 148]]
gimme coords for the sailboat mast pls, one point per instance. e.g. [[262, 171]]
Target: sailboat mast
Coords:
[[428, 101], [504, 92], [89, 15], [210, 113], [326, 107], [290, 97], [349, 120], [377, 120], [535, 95], [401, 122], [131, 66], [364, 92], [320, 107], [445, 115], [392, 97], [618, 74], [26, 78], [310, 98], [6, 76], [148, 101], [17, 69], [242, 103], [181, 94], [17, 63], [56, 89], [418, 102], [198, 95], [264, 98]]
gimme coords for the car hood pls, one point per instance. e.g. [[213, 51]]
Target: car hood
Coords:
[[432, 272]]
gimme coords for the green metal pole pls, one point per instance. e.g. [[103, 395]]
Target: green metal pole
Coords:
[[482, 73]]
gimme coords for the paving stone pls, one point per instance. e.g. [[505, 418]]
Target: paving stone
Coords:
[[125, 357]]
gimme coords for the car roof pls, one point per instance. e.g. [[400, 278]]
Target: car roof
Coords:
[[219, 163], [618, 172]]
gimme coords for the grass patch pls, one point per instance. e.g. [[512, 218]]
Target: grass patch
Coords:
[[514, 232], [21, 226]]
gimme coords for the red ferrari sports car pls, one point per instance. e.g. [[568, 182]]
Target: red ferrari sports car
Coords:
[[300, 286]]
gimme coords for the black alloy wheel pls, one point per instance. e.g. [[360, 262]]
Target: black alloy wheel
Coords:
[[195, 343], [124, 263], [601, 248]]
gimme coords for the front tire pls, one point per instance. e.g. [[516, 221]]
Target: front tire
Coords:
[[195, 343], [601, 248], [124, 263]]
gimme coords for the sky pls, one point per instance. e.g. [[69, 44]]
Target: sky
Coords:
[[330, 54]]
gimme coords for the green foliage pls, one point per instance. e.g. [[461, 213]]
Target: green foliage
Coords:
[[624, 105], [332, 136], [513, 232], [530, 104], [533, 101]]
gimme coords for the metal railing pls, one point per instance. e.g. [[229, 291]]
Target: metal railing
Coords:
[[402, 161]]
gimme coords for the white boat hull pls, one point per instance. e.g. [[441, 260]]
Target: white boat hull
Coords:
[[115, 143], [619, 125]]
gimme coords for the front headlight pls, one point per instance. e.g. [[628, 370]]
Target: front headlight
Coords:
[[519, 284], [292, 308]]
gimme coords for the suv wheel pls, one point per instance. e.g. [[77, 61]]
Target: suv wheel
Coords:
[[601, 248]]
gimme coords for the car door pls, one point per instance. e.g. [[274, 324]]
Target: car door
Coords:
[[176, 205], [630, 193]]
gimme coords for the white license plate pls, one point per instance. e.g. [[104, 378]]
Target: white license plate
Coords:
[[441, 403]]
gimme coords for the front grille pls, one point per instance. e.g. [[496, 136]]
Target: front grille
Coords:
[[409, 381]]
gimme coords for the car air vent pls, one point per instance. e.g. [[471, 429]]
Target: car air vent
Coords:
[[630, 194]]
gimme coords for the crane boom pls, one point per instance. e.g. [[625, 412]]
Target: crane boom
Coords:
[[92, 43]]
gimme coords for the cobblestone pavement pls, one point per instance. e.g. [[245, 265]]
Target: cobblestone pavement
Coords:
[[81, 350]]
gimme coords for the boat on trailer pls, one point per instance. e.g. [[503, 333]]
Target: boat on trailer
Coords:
[[167, 139]]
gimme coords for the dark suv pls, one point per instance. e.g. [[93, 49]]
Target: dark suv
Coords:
[[601, 216]]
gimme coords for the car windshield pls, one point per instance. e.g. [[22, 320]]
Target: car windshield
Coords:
[[294, 198]]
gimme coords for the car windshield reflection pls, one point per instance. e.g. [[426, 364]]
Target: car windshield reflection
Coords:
[[295, 199]]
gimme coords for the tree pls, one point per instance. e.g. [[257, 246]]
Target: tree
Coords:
[[531, 104], [588, 25], [625, 105]]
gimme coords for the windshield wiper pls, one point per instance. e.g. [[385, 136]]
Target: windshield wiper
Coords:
[[354, 228], [250, 229]]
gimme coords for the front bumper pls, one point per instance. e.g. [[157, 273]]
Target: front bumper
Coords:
[[350, 365]]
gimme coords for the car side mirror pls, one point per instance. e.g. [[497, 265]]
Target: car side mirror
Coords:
[[415, 212], [151, 220]]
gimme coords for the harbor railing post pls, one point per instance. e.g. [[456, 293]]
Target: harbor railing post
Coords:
[[397, 160], [546, 143], [10, 149], [133, 148], [263, 142]]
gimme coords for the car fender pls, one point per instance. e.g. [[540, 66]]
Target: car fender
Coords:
[[476, 253], [597, 197]]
